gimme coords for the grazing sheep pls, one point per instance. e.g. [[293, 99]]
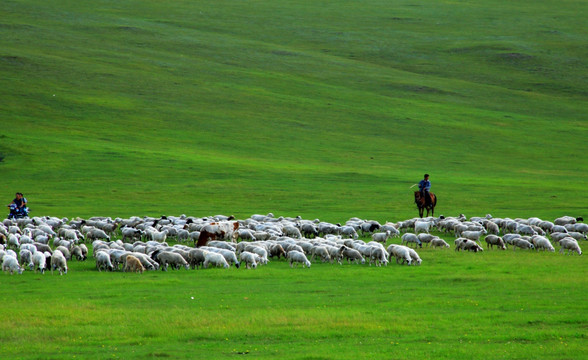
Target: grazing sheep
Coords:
[[570, 245], [381, 237], [322, 252], [492, 240], [422, 226], [103, 261], [132, 264], [26, 258], [541, 242], [39, 262], [232, 258], [415, 259], [58, 262], [474, 235], [492, 228], [411, 238], [10, 263], [426, 238], [467, 244], [378, 256], [438, 242], [176, 260], [217, 260], [349, 231], [522, 243], [249, 259], [296, 257], [352, 255], [196, 257], [400, 252]]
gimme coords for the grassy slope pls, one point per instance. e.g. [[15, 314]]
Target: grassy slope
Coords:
[[329, 110], [325, 110]]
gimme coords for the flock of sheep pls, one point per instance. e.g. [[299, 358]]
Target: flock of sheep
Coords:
[[137, 244]]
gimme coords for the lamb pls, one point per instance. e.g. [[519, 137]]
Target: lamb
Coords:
[[570, 245], [249, 259], [298, 257], [522, 243], [10, 263], [176, 260], [541, 242], [492, 240], [58, 262], [292, 231], [39, 262], [13, 241], [132, 264], [215, 259], [381, 237], [438, 242], [103, 261], [411, 238]]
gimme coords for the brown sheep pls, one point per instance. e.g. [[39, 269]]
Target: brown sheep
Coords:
[[133, 264]]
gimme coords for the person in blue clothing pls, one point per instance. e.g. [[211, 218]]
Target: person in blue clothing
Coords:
[[424, 188]]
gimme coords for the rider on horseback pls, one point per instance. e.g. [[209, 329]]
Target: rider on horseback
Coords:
[[424, 188]]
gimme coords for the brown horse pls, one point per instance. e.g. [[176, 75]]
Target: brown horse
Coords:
[[420, 202]]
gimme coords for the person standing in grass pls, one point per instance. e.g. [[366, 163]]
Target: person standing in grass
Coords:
[[424, 188]]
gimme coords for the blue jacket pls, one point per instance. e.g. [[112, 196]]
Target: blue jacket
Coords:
[[425, 185]]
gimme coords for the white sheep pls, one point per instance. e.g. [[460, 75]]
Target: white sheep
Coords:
[[571, 245], [58, 262], [541, 242], [103, 261], [438, 242], [10, 263], [381, 237], [522, 243], [26, 258], [378, 256], [473, 235], [492, 240], [322, 252], [422, 226], [400, 252], [39, 262], [215, 259], [176, 260], [411, 238], [415, 259], [296, 257], [249, 259]]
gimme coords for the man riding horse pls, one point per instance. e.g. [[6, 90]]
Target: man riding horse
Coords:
[[424, 198]]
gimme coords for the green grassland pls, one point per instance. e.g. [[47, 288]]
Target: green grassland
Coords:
[[324, 109], [331, 109]]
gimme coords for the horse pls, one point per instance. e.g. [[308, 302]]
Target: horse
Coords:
[[420, 202]]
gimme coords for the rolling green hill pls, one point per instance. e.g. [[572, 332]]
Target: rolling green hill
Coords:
[[326, 109]]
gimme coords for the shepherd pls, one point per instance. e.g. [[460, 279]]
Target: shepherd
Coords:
[[424, 198]]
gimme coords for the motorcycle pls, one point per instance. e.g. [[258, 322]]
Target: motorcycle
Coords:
[[18, 213]]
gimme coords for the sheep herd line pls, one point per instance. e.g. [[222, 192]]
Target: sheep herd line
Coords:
[[137, 244]]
